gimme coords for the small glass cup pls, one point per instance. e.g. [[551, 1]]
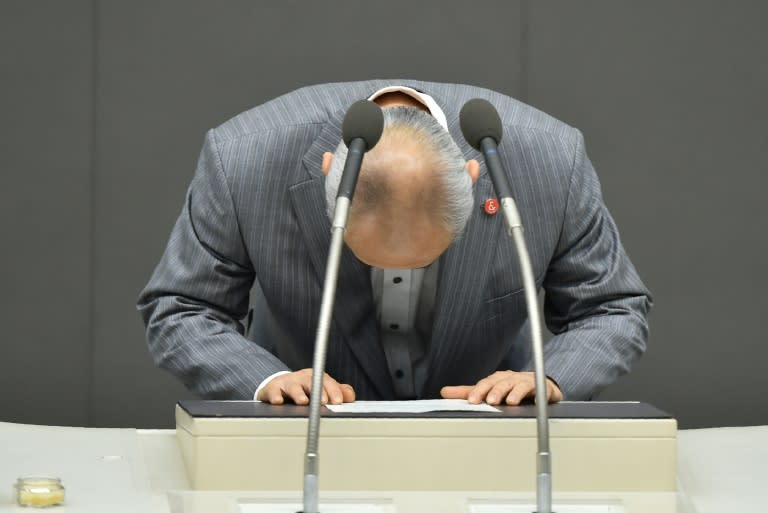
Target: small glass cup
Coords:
[[39, 491]]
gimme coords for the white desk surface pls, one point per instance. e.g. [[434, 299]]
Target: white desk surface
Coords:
[[721, 470], [724, 470]]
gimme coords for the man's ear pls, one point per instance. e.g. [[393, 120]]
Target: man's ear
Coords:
[[473, 169], [326, 165]]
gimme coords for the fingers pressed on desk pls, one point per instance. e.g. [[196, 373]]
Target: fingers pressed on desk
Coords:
[[297, 388], [456, 392], [275, 396], [502, 387], [519, 391], [296, 392], [480, 391], [347, 393], [331, 390]]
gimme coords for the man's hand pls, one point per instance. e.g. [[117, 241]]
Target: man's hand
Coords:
[[296, 387], [507, 387]]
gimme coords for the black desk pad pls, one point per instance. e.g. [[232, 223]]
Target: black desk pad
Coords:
[[564, 410]]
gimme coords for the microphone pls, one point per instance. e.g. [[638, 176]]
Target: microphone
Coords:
[[481, 127], [361, 130]]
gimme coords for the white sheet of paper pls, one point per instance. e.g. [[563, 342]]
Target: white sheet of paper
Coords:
[[421, 406], [325, 508]]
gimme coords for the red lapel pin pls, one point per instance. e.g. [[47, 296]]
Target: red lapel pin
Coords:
[[491, 206]]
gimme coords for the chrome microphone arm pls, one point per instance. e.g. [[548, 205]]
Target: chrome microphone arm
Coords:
[[311, 461], [543, 457]]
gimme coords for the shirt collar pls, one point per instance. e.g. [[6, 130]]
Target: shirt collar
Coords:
[[424, 99]]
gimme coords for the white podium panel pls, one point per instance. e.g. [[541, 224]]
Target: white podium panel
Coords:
[[602, 447], [393, 501]]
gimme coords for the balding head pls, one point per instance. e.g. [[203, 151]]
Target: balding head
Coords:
[[414, 194]]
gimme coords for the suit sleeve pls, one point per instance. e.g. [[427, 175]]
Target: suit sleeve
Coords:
[[595, 303], [199, 292]]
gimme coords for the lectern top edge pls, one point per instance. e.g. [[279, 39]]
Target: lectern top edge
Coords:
[[564, 410]]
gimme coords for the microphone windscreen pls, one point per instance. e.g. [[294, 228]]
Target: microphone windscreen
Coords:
[[478, 119], [364, 120]]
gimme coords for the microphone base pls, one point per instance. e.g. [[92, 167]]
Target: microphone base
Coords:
[[557, 508], [283, 507]]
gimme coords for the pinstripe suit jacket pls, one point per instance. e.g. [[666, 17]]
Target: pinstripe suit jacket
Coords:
[[255, 210]]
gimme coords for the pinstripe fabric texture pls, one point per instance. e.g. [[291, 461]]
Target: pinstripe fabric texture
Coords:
[[255, 210]]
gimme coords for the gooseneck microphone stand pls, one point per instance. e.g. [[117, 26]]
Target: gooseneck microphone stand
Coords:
[[361, 130], [481, 126]]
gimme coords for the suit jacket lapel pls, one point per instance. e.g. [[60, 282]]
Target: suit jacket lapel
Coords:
[[464, 273], [354, 312]]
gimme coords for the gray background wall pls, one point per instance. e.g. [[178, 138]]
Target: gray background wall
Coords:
[[104, 105]]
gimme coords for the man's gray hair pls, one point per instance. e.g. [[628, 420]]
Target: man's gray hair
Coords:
[[454, 183]]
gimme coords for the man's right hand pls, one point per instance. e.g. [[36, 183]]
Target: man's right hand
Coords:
[[296, 386]]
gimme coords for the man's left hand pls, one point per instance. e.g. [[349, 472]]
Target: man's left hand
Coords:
[[507, 387]]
